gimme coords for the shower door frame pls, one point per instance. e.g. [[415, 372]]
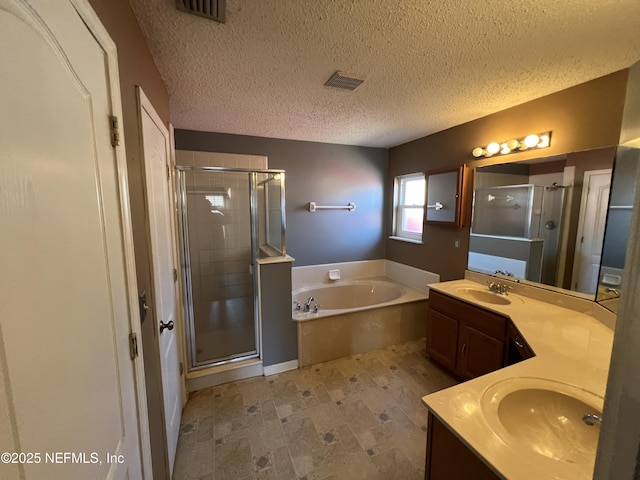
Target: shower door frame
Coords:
[[181, 199]]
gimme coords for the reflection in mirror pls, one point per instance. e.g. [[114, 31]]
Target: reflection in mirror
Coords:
[[623, 188], [533, 220]]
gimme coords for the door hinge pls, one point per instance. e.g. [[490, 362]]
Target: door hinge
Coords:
[[181, 368], [175, 275], [114, 123], [168, 171], [133, 345]]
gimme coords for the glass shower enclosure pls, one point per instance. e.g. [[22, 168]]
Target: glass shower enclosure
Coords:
[[229, 218]]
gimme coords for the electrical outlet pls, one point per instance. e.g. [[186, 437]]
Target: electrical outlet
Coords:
[[456, 243]]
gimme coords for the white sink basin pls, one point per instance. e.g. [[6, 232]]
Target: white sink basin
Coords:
[[545, 418], [486, 296]]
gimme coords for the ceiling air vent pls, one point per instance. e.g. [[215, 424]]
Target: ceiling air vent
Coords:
[[347, 81], [211, 9]]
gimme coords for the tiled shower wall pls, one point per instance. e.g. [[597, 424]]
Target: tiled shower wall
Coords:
[[220, 251], [212, 159]]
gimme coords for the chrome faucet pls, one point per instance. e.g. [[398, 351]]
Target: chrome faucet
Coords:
[[499, 288], [307, 306]]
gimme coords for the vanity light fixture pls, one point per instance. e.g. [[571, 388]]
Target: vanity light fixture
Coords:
[[534, 140]]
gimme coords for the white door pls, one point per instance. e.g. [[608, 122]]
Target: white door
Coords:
[[68, 398], [157, 164], [591, 223]]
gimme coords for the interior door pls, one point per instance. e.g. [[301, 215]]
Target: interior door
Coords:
[[68, 384], [591, 223], [157, 171]]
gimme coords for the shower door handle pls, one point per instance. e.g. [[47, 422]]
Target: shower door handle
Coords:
[[168, 325]]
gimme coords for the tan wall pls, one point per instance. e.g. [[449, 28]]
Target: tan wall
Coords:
[[585, 117], [136, 67]]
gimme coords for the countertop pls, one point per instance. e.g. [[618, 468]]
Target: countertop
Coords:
[[570, 347]]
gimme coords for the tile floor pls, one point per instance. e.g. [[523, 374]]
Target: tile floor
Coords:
[[358, 417]]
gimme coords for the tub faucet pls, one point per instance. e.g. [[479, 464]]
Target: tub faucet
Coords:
[[615, 291], [307, 306]]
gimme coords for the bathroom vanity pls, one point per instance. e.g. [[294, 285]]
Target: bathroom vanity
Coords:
[[500, 422], [470, 341]]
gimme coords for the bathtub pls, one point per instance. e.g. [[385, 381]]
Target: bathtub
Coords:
[[356, 317]]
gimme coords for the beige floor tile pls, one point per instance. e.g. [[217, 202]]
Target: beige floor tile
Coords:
[[358, 417]]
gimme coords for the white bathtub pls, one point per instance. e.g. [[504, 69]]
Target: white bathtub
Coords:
[[357, 316], [352, 296]]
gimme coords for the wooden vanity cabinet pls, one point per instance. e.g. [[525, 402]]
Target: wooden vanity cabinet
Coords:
[[467, 340], [450, 459], [517, 347]]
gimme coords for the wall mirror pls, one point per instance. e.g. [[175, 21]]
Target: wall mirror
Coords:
[[444, 196], [623, 187], [543, 220]]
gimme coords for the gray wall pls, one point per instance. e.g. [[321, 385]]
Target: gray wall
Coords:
[[327, 174], [279, 332]]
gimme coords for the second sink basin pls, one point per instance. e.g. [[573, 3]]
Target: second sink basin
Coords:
[[544, 417], [485, 296]]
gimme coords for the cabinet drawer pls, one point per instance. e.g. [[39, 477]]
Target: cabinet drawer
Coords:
[[481, 319]]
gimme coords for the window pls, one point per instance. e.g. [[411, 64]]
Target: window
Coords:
[[409, 196]]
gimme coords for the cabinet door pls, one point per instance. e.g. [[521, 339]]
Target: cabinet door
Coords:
[[442, 339], [478, 353], [449, 459]]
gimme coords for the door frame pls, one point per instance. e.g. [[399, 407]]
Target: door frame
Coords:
[[94, 25]]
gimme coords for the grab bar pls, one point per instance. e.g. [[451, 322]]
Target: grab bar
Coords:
[[313, 207], [437, 206]]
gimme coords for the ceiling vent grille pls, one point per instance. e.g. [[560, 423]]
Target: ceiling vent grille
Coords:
[[211, 9], [346, 81]]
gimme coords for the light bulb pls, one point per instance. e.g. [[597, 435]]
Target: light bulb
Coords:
[[512, 144], [544, 141], [504, 149], [531, 140], [477, 152], [493, 148]]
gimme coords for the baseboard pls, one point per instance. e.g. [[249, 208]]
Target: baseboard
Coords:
[[280, 367]]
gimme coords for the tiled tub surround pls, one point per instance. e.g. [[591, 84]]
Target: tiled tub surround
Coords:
[[385, 313], [353, 418], [327, 338], [404, 274], [571, 347]]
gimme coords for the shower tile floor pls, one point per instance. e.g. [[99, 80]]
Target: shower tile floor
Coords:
[[358, 417]]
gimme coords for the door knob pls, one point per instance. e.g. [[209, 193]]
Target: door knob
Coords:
[[168, 325]]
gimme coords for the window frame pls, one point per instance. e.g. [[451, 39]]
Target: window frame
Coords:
[[400, 208]]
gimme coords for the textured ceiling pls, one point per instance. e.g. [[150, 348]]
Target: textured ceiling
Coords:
[[429, 64]]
